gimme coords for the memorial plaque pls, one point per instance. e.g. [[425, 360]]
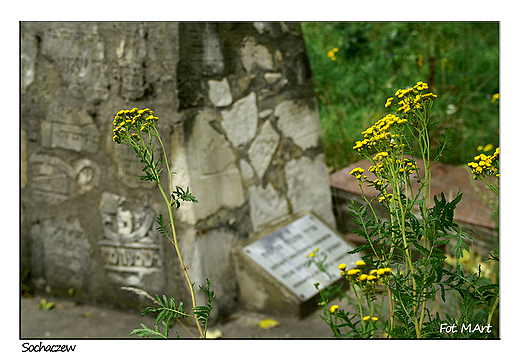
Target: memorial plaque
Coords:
[[283, 255]]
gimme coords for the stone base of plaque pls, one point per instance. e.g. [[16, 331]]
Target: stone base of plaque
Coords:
[[261, 291]]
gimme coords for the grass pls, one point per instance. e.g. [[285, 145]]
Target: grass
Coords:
[[460, 62]]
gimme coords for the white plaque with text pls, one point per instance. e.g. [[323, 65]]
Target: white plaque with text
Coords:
[[283, 255]]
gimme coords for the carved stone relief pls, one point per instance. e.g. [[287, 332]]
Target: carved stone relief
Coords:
[[131, 55], [54, 181], [70, 129], [79, 53], [130, 247]]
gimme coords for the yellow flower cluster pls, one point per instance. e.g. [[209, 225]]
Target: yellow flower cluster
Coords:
[[485, 164], [378, 132], [368, 318], [485, 149], [313, 253], [331, 54], [357, 172], [386, 197], [366, 281], [411, 98], [356, 275], [380, 169], [405, 165], [130, 123]]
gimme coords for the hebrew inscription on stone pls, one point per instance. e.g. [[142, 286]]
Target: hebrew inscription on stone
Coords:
[[283, 255], [70, 129], [131, 248], [205, 48]]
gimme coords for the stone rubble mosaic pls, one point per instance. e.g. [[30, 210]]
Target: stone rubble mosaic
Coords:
[[240, 122]]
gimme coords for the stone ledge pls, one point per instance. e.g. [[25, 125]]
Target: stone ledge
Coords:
[[473, 211]]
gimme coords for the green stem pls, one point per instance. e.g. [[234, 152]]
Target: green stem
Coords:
[[492, 187], [360, 307], [364, 225], [175, 242], [492, 311]]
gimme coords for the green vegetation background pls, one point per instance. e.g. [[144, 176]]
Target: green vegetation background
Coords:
[[459, 61]]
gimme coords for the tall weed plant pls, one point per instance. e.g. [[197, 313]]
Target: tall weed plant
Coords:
[[137, 129], [404, 274]]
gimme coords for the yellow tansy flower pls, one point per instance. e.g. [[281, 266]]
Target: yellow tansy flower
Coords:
[[331, 54]]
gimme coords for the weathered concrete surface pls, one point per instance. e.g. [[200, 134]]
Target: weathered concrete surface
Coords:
[[70, 320]]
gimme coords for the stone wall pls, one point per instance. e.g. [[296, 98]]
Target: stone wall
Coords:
[[239, 118]]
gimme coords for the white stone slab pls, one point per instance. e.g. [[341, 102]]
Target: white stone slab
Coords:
[[267, 206], [263, 147], [241, 121], [220, 93], [300, 122], [283, 255], [253, 54], [308, 187]]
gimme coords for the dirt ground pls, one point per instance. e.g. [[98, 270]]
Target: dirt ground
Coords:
[[67, 319]]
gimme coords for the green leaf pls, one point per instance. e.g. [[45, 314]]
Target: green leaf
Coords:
[[161, 316], [359, 249], [147, 332]]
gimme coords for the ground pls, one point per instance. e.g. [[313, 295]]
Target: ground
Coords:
[[67, 319]]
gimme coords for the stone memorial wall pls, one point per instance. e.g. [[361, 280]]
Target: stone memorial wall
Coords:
[[239, 118]]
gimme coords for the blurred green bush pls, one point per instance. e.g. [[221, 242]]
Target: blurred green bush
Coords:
[[458, 60]]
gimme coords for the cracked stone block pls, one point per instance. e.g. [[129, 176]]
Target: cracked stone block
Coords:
[[241, 121], [267, 206], [272, 78], [299, 122], [216, 154], [263, 147], [29, 52], [220, 93], [210, 249], [218, 190], [210, 170], [254, 54], [265, 113], [61, 252], [308, 187], [247, 172]]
